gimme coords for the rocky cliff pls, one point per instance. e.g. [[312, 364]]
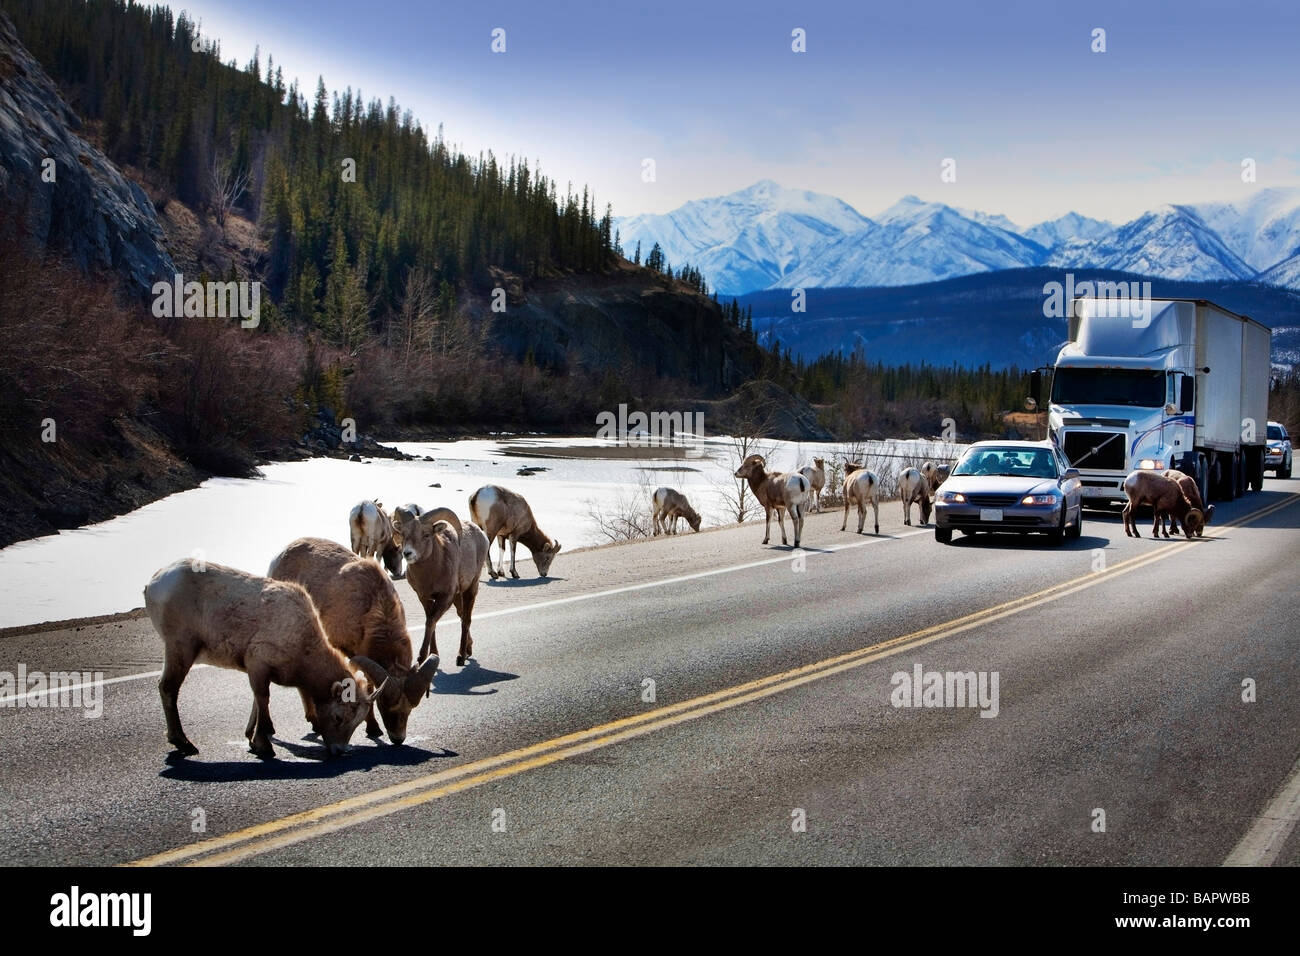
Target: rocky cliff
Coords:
[[79, 205]]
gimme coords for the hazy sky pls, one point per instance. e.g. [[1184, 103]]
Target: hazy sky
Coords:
[[1038, 123]]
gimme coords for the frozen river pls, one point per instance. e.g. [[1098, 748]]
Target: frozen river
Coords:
[[102, 569]]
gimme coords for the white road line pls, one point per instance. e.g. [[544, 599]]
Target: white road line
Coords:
[[69, 688], [450, 620], [1263, 842]]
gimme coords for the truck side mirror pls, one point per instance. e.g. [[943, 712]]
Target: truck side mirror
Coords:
[[1035, 387], [1187, 397]]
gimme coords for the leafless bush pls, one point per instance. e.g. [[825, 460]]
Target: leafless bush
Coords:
[[628, 517]]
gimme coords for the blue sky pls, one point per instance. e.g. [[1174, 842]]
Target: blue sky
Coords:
[[1038, 123]]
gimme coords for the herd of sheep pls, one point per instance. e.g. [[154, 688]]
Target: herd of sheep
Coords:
[[327, 620]]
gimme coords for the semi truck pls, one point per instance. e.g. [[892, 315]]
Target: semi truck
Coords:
[[1161, 383]]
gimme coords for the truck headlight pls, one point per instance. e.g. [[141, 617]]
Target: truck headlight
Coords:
[[1152, 464]]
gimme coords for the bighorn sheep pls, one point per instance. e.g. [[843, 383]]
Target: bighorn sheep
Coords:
[[670, 505], [502, 514], [373, 536], [267, 629], [861, 487], [444, 561], [1188, 484], [816, 475], [935, 475], [779, 492], [914, 487], [361, 614], [1165, 497]]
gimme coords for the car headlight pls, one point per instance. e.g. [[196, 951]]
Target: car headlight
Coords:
[[1152, 464], [1040, 500], [950, 497]]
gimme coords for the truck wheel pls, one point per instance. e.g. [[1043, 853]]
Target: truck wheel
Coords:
[[1203, 478], [943, 535], [1257, 469], [1239, 475]]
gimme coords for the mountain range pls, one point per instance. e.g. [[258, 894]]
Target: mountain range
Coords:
[[770, 237]]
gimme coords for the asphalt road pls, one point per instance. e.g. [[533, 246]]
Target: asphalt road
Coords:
[[768, 733]]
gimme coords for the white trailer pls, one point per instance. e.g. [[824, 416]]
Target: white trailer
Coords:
[[1162, 383]]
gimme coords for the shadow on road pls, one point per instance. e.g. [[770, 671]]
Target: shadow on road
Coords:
[[467, 678], [520, 582], [313, 766]]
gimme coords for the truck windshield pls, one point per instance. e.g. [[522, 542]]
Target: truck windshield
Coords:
[[1109, 386]]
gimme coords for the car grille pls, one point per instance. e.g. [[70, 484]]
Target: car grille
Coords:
[[993, 501], [1079, 445]]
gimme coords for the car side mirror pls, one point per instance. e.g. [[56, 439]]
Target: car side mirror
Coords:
[[1070, 473]]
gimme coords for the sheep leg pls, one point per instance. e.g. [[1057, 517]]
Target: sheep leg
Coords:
[[1158, 524], [780, 520], [907, 512], [767, 528], [862, 515], [796, 517], [435, 609], [309, 709], [260, 729], [845, 523], [465, 608], [178, 664], [654, 517], [372, 726], [514, 542], [875, 507]]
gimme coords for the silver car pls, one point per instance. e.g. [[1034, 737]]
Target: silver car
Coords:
[[1019, 486], [1277, 456]]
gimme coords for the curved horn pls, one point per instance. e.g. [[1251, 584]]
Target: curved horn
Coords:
[[430, 518], [420, 680], [376, 672]]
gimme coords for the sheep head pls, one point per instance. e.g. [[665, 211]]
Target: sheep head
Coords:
[[543, 557], [752, 467]]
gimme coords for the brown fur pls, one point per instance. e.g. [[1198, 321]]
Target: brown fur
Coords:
[[914, 487], [1188, 484], [862, 488], [509, 518], [816, 475], [361, 614], [268, 629], [776, 491], [444, 562], [373, 535], [935, 475], [670, 505], [1165, 498]]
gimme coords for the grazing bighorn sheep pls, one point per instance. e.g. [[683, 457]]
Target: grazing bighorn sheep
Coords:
[[914, 487], [444, 561], [861, 487], [816, 475], [670, 505], [267, 629], [502, 514], [776, 491], [373, 536], [1165, 498], [935, 475], [1193, 492], [361, 613]]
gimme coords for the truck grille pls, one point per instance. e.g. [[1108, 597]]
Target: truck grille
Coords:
[[1079, 445]]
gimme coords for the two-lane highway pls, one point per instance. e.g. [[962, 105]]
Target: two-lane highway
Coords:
[[706, 699]]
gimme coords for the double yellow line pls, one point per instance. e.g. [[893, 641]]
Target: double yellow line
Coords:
[[274, 834]]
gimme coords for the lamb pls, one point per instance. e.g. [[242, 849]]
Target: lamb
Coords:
[[503, 514], [444, 561], [914, 487], [1188, 484], [816, 475], [779, 492], [861, 487], [1165, 497], [373, 535], [361, 613], [669, 506], [935, 475], [269, 630]]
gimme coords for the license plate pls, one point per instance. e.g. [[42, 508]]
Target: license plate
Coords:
[[1093, 492], [990, 514]]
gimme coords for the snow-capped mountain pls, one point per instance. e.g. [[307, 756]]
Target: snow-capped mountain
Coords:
[[914, 241], [770, 237], [751, 239], [1170, 241]]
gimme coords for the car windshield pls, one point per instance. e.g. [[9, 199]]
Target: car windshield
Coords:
[[1144, 388], [1275, 433], [1008, 462]]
